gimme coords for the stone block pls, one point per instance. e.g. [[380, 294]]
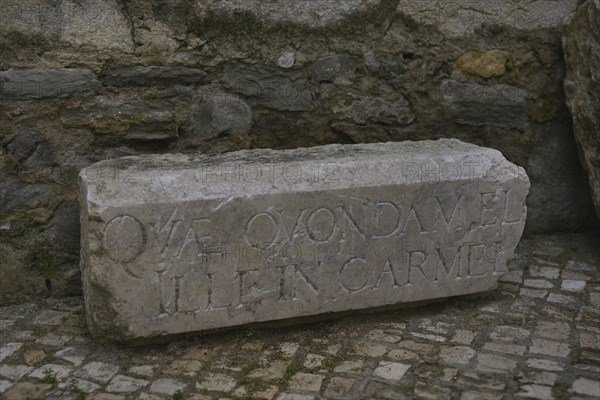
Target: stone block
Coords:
[[553, 167], [581, 43], [372, 109], [386, 66], [79, 25], [473, 104], [463, 18], [275, 89], [133, 119], [336, 68], [154, 76], [18, 195], [313, 14], [216, 114], [185, 243], [31, 150], [39, 83]]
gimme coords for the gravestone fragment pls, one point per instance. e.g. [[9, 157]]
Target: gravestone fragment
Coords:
[[185, 243]]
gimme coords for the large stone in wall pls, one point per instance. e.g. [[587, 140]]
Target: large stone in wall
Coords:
[[217, 114], [581, 43], [154, 76], [96, 24], [387, 66], [41, 83], [305, 12], [18, 195], [459, 18], [267, 87], [559, 198], [130, 118], [480, 105], [336, 68], [372, 109], [183, 243]]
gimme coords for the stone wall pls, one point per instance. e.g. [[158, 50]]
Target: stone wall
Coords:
[[581, 44], [88, 80]]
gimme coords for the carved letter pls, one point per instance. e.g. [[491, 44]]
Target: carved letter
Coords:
[[353, 275], [320, 225], [261, 230], [169, 228]]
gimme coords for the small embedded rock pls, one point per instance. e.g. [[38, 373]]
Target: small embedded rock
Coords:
[[486, 65], [286, 60], [214, 115], [337, 68]]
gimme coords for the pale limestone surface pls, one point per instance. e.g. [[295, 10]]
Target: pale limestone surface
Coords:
[[460, 18], [183, 243], [99, 24], [306, 12]]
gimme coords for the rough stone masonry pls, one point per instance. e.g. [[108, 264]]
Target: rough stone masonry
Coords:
[[184, 243]]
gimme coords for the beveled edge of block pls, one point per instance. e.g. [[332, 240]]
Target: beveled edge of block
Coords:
[[405, 162]]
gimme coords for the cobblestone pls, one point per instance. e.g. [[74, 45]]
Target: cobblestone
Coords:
[[125, 384], [547, 365], [544, 272], [458, 355], [537, 336], [549, 348], [512, 349], [392, 371], [587, 387], [536, 392], [98, 371], [308, 382], [573, 285], [554, 330]]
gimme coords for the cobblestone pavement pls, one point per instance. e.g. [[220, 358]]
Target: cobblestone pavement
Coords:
[[537, 336]]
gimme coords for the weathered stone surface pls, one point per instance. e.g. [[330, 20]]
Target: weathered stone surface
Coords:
[[338, 68], [217, 114], [553, 167], [400, 352], [365, 109], [310, 13], [31, 150], [176, 243], [581, 43], [64, 229], [486, 65], [490, 105], [459, 18], [385, 65], [98, 24], [38, 83], [280, 90], [411, 53], [154, 76], [18, 195], [133, 119]]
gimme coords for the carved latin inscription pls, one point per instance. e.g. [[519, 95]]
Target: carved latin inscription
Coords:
[[250, 253]]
